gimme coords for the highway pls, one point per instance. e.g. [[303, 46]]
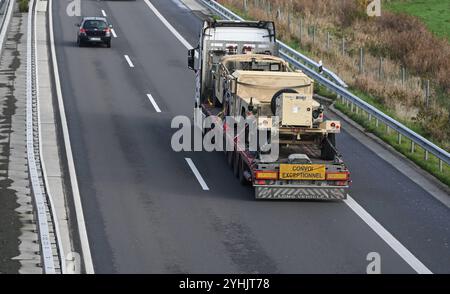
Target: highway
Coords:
[[147, 212]]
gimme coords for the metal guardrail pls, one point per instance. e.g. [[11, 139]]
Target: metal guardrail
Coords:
[[337, 86], [44, 210]]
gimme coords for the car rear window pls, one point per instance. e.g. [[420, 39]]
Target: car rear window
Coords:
[[95, 24]]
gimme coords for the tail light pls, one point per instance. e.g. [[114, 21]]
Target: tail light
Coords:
[[83, 31], [107, 30], [338, 176], [266, 175], [335, 125]]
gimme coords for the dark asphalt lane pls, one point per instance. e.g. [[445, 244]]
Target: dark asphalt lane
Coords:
[[144, 209]]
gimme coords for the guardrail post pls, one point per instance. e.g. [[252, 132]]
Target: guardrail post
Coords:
[[343, 45], [370, 117], [289, 22], [426, 155], [314, 34], [328, 41], [380, 68], [377, 123], [399, 139], [387, 129], [441, 165], [427, 93], [352, 107], [301, 30], [413, 146], [361, 61], [403, 76]]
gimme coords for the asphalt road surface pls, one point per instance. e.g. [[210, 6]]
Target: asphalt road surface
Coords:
[[145, 210]]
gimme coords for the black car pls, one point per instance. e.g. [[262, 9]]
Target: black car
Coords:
[[94, 30]]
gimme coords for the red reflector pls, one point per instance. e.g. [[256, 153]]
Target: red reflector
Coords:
[[333, 125], [342, 183], [260, 182]]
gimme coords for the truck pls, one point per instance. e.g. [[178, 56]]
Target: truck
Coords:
[[240, 76]]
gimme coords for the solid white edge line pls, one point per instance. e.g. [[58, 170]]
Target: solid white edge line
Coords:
[[86, 251], [127, 58], [104, 13], [197, 174], [152, 100], [168, 25], [401, 250], [113, 32]]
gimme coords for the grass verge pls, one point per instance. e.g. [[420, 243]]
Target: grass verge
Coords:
[[23, 5], [434, 13]]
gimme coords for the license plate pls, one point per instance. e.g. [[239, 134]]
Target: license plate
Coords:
[[302, 172], [95, 39]]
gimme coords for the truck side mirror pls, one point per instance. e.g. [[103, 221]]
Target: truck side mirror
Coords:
[[191, 59]]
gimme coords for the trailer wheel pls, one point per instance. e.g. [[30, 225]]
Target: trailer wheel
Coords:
[[273, 102], [230, 158], [327, 150], [242, 179], [236, 164]]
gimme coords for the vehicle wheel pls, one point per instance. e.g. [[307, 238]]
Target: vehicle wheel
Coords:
[[242, 179], [108, 44], [273, 102], [236, 164], [327, 150], [230, 158], [80, 44]]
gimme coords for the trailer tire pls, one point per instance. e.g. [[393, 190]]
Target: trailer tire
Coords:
[[327, 150], [242, 179], [236, 159], [273, 102], [230, 158]]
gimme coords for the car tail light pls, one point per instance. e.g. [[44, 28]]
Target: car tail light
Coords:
[[338, 176], [82, 30], [107, 30], [266, 175]]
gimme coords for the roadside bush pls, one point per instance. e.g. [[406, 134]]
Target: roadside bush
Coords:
[[23, 5]]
